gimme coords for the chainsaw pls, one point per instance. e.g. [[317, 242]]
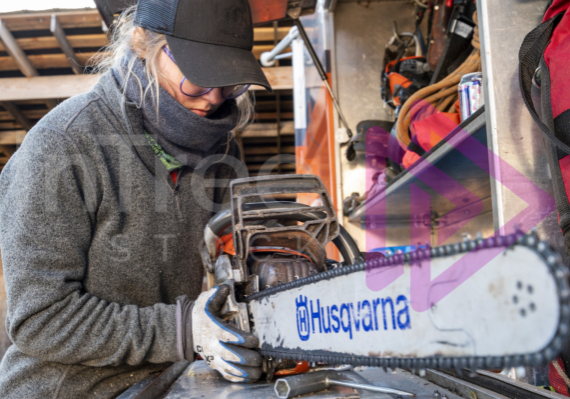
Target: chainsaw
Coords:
[[489, 303]]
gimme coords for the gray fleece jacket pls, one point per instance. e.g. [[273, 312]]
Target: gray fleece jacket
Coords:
[[97, 242]]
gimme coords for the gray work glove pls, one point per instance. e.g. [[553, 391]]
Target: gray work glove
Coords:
[[225, 348]]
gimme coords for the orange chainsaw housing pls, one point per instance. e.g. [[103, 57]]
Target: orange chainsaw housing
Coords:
[[226, 245], [397, 81]]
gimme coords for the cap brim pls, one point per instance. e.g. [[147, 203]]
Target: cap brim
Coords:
[[210, 65]]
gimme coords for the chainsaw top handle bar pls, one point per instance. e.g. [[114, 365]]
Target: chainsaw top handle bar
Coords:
[[223, 219]]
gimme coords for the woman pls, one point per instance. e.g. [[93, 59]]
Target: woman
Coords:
[[102, 210]]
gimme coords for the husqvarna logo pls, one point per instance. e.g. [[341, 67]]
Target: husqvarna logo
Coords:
[[303, 319], [353, 318]]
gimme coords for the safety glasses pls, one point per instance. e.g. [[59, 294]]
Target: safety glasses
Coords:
[[191, 90]]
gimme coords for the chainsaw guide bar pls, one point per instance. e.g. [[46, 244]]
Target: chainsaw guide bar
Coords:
[[517, 324]]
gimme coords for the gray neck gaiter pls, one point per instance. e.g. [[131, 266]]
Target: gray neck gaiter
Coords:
[[180, 132]]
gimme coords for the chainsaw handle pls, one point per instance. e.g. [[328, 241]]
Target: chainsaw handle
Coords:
[[223, 219]]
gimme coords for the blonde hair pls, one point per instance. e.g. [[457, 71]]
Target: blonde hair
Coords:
[[148, 47]]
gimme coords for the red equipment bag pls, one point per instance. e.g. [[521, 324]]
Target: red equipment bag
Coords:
[[548, 47]]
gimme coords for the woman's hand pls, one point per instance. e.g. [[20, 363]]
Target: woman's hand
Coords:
[[224, 347]]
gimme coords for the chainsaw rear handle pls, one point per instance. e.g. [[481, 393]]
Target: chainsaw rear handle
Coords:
[[223, 219]]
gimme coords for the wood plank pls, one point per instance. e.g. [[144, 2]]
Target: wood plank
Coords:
[[257, 130], [285, 167], [29, 114], [260, 49], [251, 159], [269, 150], [17, 114], [8, 150], [272, 105], [260, 141], [273, 115], [280, 78], [11, 125], [46, 61], [268, 35], [65, 86], [41, 20], [29, 102], [91, 18], [283, 159], [17, 57], [59, 34], [49, 61], [50, 42], [13, 137], [101, 40], [264, 96]]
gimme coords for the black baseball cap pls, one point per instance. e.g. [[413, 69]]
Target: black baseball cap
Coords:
[[211, 40]]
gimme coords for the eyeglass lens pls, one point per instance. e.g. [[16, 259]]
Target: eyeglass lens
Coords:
[[191, 90]]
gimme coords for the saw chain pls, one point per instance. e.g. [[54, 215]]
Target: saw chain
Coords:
[[545, 252]]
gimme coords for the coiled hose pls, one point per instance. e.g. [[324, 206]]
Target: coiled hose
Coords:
[[442, 95]]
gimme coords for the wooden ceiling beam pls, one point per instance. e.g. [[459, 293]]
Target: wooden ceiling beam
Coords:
[[272, 105], [45, 87], [268, 150], [268, 34], [65, 86], [50, 42], [273, 115], [34, 114], [46, 61], [290, 167], [12, 137], [19, 117], [50, 61], [92, 19], [7, 150], [280, 78], [258, 130], [42, 20], [101, 40], [16, 53], [59, 34]]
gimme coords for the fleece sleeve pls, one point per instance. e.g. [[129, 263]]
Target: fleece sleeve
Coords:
[[48, 204]]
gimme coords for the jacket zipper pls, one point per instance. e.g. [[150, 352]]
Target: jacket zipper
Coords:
[[176, 191]]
